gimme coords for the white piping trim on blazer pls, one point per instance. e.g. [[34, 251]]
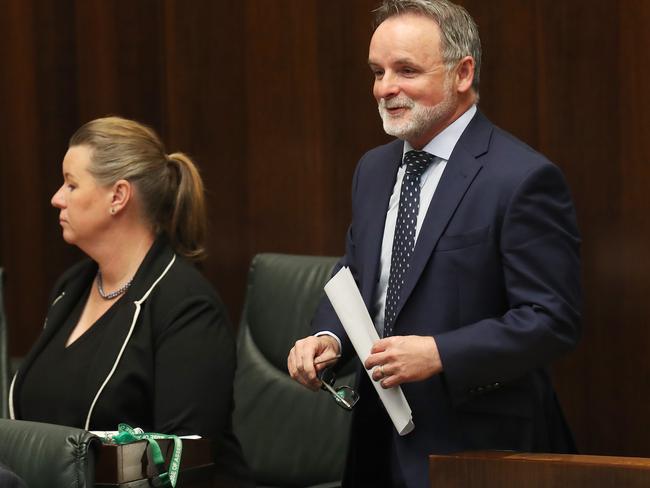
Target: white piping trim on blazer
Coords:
[[137, 304], [13, 380], [11, 398]]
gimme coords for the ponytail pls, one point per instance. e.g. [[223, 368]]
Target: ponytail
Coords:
[[187, 223]]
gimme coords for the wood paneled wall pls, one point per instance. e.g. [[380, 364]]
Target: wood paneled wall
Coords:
[[272, 98]]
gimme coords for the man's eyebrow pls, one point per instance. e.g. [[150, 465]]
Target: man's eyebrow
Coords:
[[399, 61], [404, 61]]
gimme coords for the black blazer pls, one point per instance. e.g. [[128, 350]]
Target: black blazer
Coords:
[[167, 364], [494, 277]]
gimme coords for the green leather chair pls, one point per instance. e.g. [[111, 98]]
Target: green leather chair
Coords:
[[291, 437], [4, 359], [48, 456]]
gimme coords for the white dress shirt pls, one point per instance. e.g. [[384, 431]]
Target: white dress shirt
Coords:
[[441, 147]]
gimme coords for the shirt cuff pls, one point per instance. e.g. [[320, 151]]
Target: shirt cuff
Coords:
[[331, 334]]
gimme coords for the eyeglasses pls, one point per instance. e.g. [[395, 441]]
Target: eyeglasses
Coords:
[[344, 396]]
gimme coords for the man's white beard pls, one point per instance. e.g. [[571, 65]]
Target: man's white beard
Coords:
[[418, 119]]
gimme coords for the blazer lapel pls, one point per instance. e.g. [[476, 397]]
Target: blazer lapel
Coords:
[[153, 265], [111, 343], [376, 218], [462, 167], [67, 298]]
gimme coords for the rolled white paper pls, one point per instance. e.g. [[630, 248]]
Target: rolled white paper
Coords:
[[342, 291]]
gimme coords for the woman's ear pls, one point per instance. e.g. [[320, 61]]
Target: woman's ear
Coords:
[[120, 195]]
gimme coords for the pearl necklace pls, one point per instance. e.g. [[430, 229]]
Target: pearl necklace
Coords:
[[113, 294]]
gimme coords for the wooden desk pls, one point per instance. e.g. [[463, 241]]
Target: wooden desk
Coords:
[[130, 465], [525, 470]]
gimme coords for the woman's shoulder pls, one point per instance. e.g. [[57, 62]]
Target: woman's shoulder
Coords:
[[184, 279], [184, 290], [165, 274]]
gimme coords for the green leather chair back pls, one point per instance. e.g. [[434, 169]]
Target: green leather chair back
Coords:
[[48, 456], [290, 436], [4, 359]]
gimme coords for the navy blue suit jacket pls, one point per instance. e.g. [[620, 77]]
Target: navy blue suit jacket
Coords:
[[495, 278]]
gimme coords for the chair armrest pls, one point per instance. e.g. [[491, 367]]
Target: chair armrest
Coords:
[[48, 456]]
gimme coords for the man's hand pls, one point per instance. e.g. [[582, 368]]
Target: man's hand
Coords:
[[322, 349], [403, 359]]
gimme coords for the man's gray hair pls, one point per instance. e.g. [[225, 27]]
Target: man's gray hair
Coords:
[[459, 31]]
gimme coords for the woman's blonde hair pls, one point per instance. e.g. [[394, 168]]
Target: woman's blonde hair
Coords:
[[169, 186]]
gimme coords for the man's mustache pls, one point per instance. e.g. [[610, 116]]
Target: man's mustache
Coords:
[[396, 102]]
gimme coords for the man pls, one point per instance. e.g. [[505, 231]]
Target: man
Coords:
[[464, 246]]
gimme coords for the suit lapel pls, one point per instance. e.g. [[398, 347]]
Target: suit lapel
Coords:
[[463, 166], [154, 263], [66, 298], [111, 343], [379, 198]]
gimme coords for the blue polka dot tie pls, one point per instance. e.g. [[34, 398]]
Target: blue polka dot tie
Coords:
[[404, 238]]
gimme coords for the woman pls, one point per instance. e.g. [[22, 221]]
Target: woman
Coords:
[[134, 334]]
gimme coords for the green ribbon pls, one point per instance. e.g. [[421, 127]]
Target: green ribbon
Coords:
[[127, 434]]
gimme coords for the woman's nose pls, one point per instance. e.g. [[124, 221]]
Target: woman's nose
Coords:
[[57, 199]]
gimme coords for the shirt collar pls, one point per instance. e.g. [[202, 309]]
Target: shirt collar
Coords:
[[443, 144]]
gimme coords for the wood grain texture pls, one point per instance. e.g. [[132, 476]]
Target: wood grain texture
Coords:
[[272, 98], [509, 470]]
